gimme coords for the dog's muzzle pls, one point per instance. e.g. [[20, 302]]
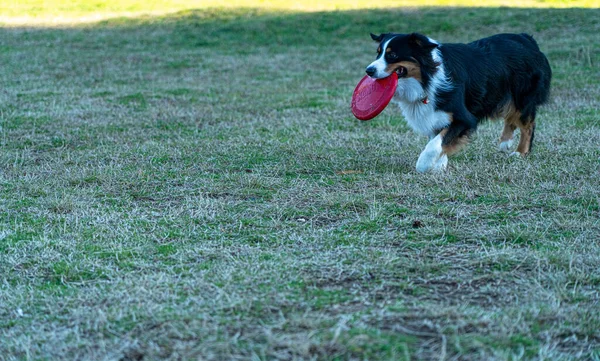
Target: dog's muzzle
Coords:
[[371, 70]]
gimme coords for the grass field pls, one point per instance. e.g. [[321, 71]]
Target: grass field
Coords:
[[192, 185]]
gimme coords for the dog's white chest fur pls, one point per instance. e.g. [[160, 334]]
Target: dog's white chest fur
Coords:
[[422, 118]]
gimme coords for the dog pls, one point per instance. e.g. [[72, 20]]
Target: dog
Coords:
[[446, 90]]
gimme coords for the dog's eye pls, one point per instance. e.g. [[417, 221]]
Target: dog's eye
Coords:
[[392, 55]]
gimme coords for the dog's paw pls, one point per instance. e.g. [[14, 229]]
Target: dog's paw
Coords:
[[424, 165], [516, 154], [441, 164], [505, 146], [431, 155]]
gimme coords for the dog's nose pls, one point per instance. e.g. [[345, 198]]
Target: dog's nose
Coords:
[[370, 70]]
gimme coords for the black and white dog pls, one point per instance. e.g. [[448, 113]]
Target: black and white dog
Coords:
[[445, 90]]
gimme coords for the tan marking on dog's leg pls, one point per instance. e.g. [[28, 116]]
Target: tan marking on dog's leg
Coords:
[[511, 120], [526, 138], [506, 139], [508, 132], [456, 145]]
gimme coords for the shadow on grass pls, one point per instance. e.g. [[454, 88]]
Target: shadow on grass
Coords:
[[568, 36], [261, 27]]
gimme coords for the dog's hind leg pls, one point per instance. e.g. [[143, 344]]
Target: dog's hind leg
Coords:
[[526, 140], [527, 102], [506, 139], [514, 119], [511, 120]]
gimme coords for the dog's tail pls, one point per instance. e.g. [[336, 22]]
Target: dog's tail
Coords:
[[536, 90], [537, 94], [528, 38]]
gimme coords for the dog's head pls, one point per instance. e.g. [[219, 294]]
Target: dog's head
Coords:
[[404, 54]]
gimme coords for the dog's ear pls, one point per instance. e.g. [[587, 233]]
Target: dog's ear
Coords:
[[377, 38], [421, 41]]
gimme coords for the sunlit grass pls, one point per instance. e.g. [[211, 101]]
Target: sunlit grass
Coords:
[[44, 12]]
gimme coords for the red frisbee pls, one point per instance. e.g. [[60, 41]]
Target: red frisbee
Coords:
[[371, 96]]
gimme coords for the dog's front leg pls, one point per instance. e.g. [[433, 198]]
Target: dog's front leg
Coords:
[[449, 141], [432, 157]]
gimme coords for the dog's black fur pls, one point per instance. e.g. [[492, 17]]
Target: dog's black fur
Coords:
[[505, 75]]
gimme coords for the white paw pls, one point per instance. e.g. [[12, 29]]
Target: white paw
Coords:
[[515, 154], [441, 164], [430, 155], [427, 161], [505, 146]]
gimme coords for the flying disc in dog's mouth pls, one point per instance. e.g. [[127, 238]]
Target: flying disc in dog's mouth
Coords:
[[371, 96]]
